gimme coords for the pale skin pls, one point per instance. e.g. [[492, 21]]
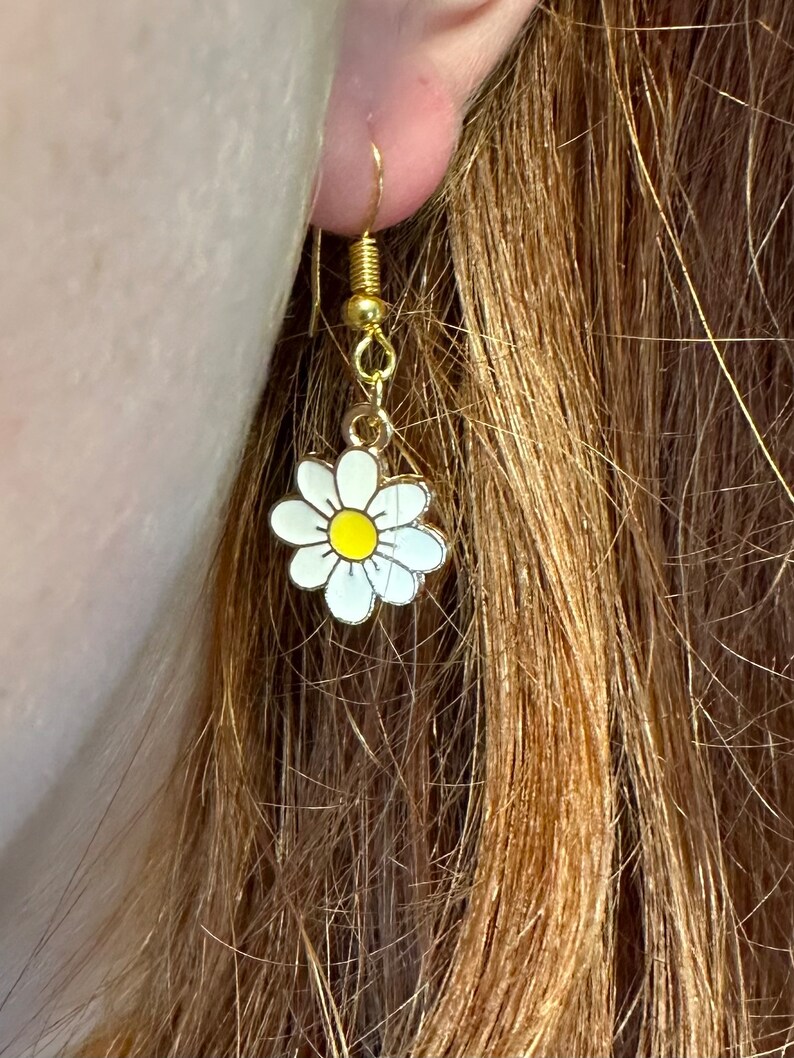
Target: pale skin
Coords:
[[157, 172]]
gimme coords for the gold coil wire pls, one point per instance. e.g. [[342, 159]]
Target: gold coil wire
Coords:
[[365, 266]]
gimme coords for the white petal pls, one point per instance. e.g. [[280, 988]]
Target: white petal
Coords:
[[349, 594], [316, 483], [394, 583], [357, 474], [421, 548], [310, 567], [298, 523], [399, 504]]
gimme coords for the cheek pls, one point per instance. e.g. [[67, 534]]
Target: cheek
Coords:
[[156, 183]]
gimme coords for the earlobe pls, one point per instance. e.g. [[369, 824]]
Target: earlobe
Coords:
[[414, 122], [406, 73]]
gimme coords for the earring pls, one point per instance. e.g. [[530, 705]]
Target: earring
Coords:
[[360, 535]]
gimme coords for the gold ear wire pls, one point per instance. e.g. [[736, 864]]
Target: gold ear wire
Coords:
[[365, 276], [317, 234], [378, 194], [365, 310]]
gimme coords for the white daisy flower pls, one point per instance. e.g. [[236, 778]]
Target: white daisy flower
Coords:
[[359, 537]]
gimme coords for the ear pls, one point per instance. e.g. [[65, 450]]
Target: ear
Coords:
[[406, 72]]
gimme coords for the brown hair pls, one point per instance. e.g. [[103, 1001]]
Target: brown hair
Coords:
[[547, 809]]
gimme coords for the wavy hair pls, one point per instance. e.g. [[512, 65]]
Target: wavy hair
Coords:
[[548, 809]]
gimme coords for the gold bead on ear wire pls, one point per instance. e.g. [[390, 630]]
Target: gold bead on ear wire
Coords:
[[360, 536]]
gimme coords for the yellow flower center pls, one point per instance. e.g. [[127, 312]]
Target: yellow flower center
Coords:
[[353, 535]]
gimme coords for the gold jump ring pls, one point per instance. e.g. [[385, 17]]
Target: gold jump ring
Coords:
[[376, 418]]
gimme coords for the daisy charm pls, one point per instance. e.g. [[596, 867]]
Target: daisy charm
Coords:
[[359, 536]]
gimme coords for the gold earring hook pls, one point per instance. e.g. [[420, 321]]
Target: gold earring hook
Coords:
[[365, 309], [378, 194], [364, 283], [317, 234]]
